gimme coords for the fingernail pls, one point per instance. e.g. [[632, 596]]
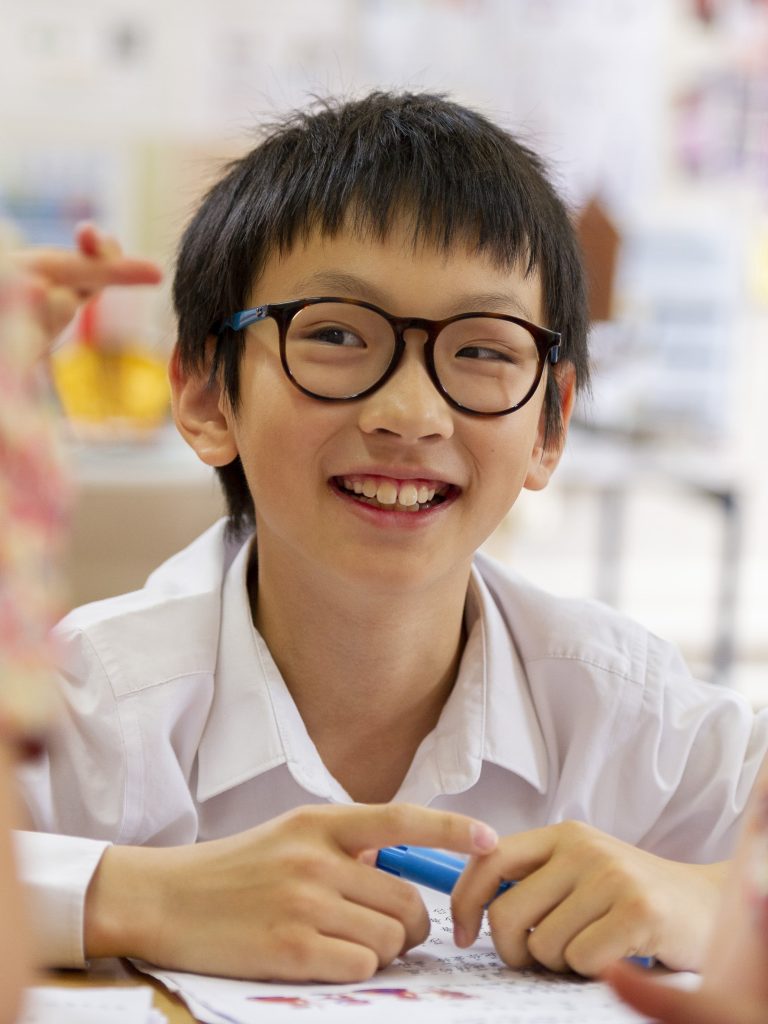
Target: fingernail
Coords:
[[459, 936], [483, 837]]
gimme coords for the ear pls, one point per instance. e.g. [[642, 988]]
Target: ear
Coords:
[[200, 411], [544, 460]]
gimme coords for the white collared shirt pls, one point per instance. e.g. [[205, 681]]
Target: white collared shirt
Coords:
[[179, 728]]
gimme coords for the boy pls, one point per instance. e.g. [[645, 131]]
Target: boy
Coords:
[[382, 328]]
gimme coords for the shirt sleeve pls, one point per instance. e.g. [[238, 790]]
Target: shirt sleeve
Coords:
[[56, 871], [78, 786], [74, 795]]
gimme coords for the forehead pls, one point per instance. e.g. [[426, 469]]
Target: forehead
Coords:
[[406, 276]]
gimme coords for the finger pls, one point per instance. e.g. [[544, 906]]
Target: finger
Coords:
[[86, 275], [382, 934], [57, 309], [369, 826], [93, 242], [301, 955], [578, 933], [87, 238], [672, 1005], [608, 938], [388, 895], [517, 857], [539, 902]]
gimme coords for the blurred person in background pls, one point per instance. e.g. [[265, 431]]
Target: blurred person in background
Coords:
[[734, 989], [39, 293]]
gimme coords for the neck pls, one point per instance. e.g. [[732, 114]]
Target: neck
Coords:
[[372, 671]]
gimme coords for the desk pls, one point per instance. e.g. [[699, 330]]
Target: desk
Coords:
[[137, 504], [117, 972], [611, 466]]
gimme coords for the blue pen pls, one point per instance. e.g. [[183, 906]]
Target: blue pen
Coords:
[[440, 871], [433, 868]]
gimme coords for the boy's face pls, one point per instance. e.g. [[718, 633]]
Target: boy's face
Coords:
[[303, 457]]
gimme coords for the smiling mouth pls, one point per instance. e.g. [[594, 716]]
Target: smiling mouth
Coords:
[[395, 495]]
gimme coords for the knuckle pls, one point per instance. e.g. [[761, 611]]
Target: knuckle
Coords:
[[419, 934], [398, 817], [618, 878], [391, 942], [546, 952], [640, 907], [407, 904], [293, 946], [360, 964], [300, 902], [584, 960], [579, 837], [513, 952], [298, 862], [497, 918], [415, 923], [302, 820], [510, 943]]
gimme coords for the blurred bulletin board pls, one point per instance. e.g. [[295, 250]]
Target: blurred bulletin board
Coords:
[[584, 80], [122, 111]]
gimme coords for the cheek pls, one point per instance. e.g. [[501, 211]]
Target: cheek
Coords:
[[508, 451], [262, 429]]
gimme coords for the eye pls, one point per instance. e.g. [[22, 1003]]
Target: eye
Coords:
[[334, 335], [483, 352]]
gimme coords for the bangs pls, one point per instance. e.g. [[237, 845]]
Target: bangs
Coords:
[[448, 195]]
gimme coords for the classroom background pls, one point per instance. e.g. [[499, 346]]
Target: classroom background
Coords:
[[653, 115]]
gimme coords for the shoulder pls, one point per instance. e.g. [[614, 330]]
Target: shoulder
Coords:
[[577, 653], [168, 629], [549, 628]]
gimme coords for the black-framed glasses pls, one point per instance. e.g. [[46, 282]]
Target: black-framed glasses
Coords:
[[339, 349]]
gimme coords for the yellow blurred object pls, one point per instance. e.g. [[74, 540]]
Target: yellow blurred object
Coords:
[[111, 390], [759, 267]]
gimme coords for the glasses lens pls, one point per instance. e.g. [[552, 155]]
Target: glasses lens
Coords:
[[338, 350], [485, 364]]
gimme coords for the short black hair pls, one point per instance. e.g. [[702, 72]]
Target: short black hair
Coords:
[[364, 164]]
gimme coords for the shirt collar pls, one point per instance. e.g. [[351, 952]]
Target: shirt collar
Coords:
[[254, 725], [513, 736], [240, 739]]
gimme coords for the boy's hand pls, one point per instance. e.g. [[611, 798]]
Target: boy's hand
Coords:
[[288, 900], [62, 279], [585, 899]]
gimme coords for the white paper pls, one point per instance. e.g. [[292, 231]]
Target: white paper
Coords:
[[435, 982], [76, 1005]]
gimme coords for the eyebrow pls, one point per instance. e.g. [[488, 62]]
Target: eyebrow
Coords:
[[346, 285]]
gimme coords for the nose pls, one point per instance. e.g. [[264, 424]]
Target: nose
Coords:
[[408, 405]]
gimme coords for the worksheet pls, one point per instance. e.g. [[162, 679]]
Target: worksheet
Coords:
[[108, 1005], [434, 982]]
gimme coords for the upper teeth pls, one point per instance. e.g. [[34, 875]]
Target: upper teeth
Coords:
[[389, 492]]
